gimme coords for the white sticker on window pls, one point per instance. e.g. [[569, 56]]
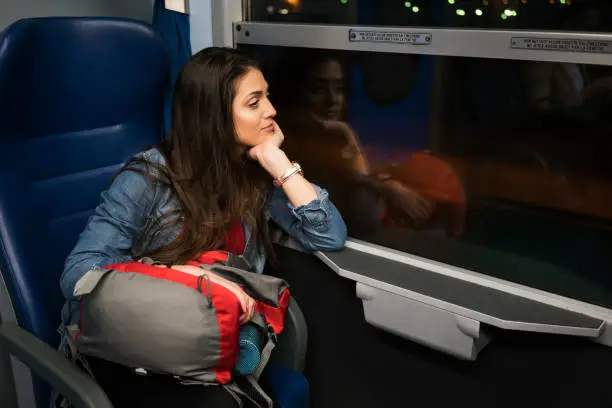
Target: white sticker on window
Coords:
[[394, 37], [562, 44]]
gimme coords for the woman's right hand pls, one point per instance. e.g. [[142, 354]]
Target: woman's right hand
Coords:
[[247, 303], [269, 154]]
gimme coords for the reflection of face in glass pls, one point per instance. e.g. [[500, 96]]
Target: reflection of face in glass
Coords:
[[324, 90]]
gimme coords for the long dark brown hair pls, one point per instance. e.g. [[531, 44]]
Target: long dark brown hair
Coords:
[[206, 166]]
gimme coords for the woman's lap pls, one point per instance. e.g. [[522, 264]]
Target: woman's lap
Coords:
[[126, 389]]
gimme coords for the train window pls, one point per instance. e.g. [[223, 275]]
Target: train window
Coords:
[[497, 166], [571, 15]]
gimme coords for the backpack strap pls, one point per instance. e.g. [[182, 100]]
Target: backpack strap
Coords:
[[266, 351], [74, 355], [247, 389], [236, 393]]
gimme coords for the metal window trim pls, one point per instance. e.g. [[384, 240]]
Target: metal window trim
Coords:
[[224, 14], [474, 43]]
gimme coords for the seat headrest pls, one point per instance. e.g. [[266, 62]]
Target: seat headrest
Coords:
[[78, 96], [102, 69]]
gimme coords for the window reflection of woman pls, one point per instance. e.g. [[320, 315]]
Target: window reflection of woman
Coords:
[[310, 93]]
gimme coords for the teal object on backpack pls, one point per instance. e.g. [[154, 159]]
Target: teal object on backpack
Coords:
[[249, 354]]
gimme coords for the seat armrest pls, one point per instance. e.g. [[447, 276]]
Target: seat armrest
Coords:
[[290, 351], [51, 366]]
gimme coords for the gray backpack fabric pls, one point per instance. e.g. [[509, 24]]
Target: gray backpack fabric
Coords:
[[169, 322]]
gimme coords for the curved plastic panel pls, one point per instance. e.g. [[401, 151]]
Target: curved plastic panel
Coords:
[[466, 299]]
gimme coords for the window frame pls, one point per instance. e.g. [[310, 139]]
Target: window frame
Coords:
[[476, 43], [230, 28]]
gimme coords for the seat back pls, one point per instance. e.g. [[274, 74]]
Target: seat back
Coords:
[[78, 96]]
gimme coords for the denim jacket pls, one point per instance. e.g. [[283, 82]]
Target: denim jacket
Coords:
[[117, 231]]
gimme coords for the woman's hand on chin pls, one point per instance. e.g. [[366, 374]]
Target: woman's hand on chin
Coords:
[[270, 156]]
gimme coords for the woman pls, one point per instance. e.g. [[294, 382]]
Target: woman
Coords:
[[207, 186]]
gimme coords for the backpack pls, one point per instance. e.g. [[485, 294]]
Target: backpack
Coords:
[[163, 321]]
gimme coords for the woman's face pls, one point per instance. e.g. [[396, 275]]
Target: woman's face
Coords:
[[324, 91], [252, 111]]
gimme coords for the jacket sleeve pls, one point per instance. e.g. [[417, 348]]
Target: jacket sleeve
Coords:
[[112, 229], [317, 226]]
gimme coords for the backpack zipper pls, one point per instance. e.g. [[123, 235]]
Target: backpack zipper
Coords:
[[208, 294]]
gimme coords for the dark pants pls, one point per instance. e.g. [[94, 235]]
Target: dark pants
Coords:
[[127, 389]]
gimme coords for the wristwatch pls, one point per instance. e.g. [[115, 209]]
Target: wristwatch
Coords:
[[295, 169]]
